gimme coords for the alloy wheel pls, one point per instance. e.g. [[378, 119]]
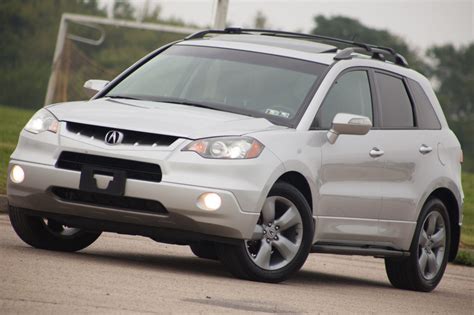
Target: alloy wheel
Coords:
[[59, 229], [431, 245], [278, 234]]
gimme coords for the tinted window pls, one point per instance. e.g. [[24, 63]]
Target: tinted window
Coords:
[[396, 110], [426, 116], [350, 94], [245, 82]]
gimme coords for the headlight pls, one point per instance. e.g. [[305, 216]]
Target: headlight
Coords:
[[226, 148], [43, 120]]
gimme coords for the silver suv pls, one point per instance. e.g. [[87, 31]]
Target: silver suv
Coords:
[[253, 147]]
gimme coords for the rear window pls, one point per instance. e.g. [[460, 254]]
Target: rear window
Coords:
[[425, 114], [396, 108]]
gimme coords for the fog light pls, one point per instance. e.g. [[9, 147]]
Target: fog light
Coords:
[[209, 201], [17, 174]]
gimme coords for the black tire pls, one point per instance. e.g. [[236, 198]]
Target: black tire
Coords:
[[405, 273], [35, 232], [205, 250], [236, 258]]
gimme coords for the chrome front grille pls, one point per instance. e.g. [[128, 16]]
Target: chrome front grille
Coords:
[[130, 137]]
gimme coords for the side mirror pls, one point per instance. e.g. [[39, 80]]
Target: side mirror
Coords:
[[94, 86], [348, 124]]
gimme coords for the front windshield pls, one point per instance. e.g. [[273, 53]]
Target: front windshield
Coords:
[[249, 83]]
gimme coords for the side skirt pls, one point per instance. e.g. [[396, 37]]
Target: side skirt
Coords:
[[338, 249]]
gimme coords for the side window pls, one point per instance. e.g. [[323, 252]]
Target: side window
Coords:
[[426, 116], [396, 109], [349, 94]]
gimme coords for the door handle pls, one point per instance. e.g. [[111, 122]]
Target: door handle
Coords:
[[376, 152], [424, 149]]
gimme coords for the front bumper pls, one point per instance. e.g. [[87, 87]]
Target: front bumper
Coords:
[[179, 200]]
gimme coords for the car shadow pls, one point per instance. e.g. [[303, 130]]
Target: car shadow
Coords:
[[173, 263], [198, 266], [192, 265], [310, 277]]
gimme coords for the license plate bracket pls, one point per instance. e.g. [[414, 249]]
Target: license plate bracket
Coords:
[[115, 187]]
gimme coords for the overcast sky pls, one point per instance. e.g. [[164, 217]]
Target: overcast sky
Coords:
[[421, 22]]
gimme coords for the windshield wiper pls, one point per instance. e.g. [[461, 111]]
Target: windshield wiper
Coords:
[[126, 97], [182, 101], [172, 100]]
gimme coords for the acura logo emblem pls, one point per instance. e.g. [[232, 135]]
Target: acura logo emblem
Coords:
[[113, 137]]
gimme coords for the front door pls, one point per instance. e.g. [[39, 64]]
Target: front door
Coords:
[[352, 168]]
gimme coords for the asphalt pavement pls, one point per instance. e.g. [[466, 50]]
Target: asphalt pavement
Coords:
[[126, 274]]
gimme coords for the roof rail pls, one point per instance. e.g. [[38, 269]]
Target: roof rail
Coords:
[[237, 30], [377, 52]]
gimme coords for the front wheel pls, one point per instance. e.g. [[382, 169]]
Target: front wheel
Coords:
[[424, 268], [281, 242], [49, 234]]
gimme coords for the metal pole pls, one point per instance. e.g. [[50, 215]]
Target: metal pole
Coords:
[[111, 9], [220, 16], [60, 41]]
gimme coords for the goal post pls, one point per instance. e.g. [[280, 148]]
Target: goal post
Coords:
[[90, 21]]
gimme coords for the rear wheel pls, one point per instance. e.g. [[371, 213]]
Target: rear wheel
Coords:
[[49, 234], [281, 241], [204, 249], [429, 252]]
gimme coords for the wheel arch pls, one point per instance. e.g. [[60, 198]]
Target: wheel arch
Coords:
[[452, 205], [300, 182]]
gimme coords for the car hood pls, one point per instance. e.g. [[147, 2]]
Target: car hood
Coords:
[[161, 118]]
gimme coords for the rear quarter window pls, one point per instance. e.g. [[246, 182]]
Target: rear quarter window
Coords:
[[425, 113]]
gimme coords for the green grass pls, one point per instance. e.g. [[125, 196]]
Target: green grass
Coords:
[[12, 121], [465, 257], [467, 231]]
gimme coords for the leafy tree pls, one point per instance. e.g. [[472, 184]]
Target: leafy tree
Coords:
[[28, 31], [453, 69], [152, 16], [351, 29], [124, 10]]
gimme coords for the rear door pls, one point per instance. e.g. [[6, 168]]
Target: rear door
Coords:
[[350, 178], [409, 155]]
